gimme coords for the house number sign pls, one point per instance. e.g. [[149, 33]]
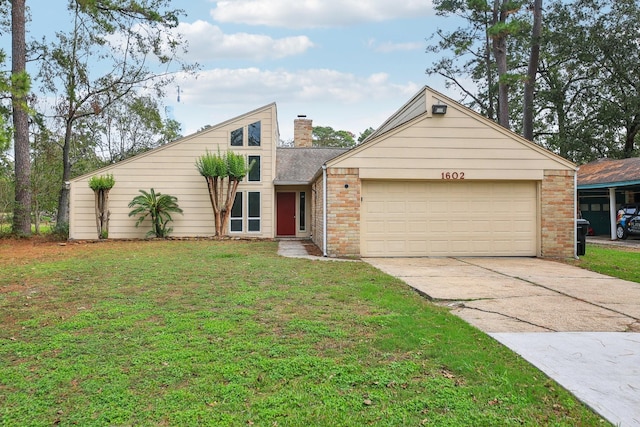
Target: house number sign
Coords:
[[452, 175]]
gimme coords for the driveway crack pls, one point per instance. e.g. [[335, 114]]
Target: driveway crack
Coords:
[[550, 289], [506, 316]]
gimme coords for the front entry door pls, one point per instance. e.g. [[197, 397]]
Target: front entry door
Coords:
[[286, 223]]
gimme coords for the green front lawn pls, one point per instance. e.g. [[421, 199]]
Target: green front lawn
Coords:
[[623, 263], [230, 334]]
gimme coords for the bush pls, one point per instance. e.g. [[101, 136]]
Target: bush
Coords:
[[60, 231], [159, 206]]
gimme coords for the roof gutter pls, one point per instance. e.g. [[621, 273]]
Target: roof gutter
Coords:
[[324, 209], [607, 185]]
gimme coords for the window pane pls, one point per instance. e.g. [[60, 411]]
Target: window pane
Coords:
[[254, 173], [236, 137], [302, 215], [236, 225], [254, 211], [254, 204], [254, 225], [236, 214], [236, 209], [254, 134]]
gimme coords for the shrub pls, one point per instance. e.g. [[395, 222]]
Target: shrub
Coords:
[[159, 207]]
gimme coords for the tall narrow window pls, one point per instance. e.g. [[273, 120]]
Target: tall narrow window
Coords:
[[303, 214], [237, 137], [254, 173], [235, 220], [254, 134], [253, 205]]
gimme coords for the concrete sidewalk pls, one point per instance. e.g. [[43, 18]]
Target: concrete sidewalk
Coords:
[[580, 328]]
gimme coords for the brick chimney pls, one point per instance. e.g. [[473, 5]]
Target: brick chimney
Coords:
[[302, 132]]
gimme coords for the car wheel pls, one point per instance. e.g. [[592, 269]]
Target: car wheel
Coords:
[[621, 233]]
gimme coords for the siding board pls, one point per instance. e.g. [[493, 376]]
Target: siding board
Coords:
[[171, 170]]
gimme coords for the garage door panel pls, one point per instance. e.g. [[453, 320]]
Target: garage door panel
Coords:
[[375, 207], [438, 226], [449, 218], [420, 226], [416, 207], [396, 227]]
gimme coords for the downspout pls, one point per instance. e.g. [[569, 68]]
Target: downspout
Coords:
[[575, 214], [324, 210]]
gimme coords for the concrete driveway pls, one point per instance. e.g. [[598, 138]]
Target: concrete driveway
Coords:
[[580, 328], [522, 294]]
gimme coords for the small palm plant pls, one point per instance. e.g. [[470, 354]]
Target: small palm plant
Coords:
[[157, 205]]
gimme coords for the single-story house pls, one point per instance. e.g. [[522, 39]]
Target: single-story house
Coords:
[[605, 185], [436, 179]]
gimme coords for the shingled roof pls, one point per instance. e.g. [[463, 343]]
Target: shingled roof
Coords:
[[296, 166], [607, 172]]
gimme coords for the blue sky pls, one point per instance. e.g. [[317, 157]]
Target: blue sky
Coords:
[[345, 64]]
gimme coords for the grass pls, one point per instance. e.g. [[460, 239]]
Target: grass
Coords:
[[230, 334], [615, 262]]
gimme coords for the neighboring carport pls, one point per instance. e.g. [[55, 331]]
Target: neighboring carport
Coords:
[[603, 186]]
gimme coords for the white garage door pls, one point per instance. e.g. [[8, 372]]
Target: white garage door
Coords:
[[448, 218]]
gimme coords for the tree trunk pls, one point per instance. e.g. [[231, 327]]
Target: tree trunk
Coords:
[[630, 139], [231, 196], [96, 197], [532, 71], [500, 53], [105, 215], [488, 64], [63, 200], [22, 209]]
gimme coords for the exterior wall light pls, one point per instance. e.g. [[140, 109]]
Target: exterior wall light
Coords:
[[439, 109]]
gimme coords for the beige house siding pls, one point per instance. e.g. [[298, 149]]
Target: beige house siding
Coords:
[[428, 146], [171, 170]]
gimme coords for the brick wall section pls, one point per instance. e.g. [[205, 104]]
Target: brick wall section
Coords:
[[557, 214], [343, 212], [317, 220]]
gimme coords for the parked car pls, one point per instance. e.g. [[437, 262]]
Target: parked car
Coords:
[[628, 221]]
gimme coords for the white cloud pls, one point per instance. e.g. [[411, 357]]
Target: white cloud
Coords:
[[313, 85], [390, 47], [331, 98], [317, 13], [209, 41]]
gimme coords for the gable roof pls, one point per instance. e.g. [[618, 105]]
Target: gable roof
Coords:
[[295, 166], [419, 106], [605, 173], [192, 136], [415, 107]]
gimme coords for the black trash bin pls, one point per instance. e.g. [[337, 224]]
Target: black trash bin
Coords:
[[582, 231]]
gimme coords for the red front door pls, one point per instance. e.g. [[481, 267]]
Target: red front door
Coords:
[[286, 222]]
